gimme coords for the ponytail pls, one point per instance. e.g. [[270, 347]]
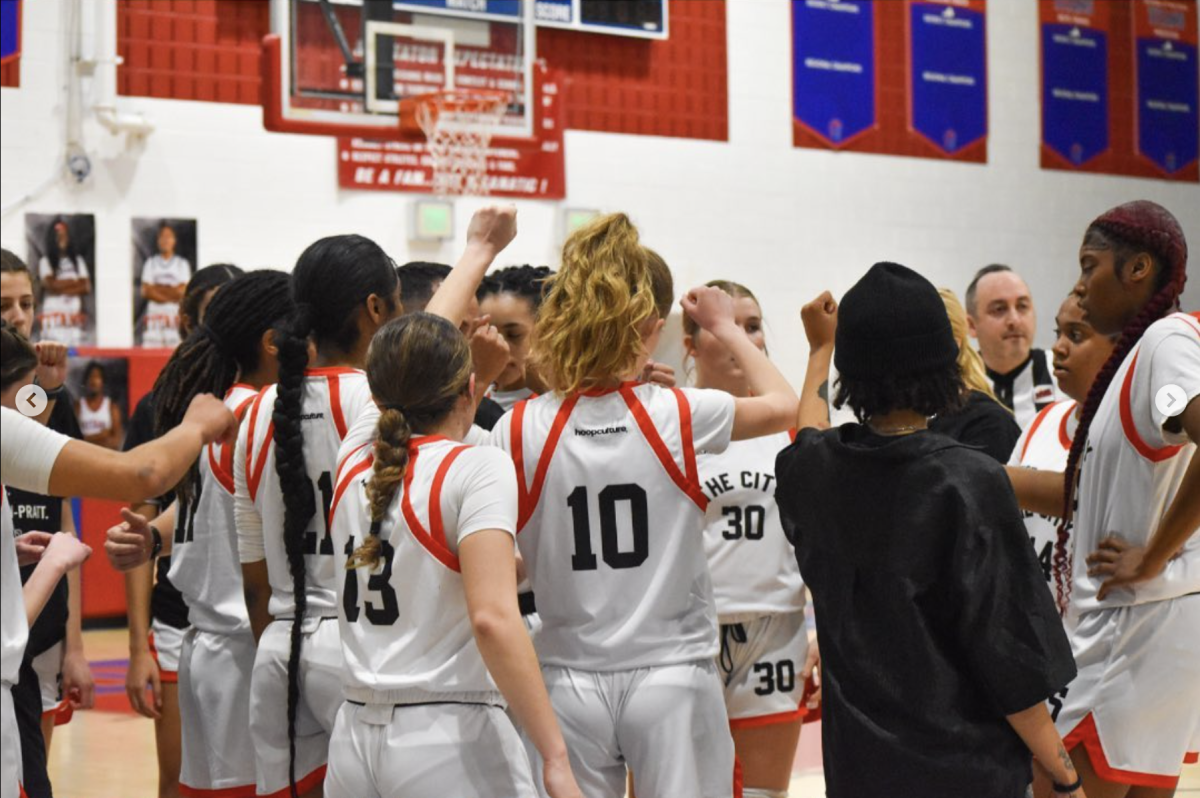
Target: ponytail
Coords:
[[1127, 230]]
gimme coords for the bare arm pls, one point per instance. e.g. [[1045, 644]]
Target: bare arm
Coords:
[[64, 554], [77, 681], [820, 325], [257, 588], [1037, 491], [143, 670], [489, 579], [490, 231], [1036, 729], [772, 408], [151, 469]]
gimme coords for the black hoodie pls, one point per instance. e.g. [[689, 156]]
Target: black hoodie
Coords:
[[932, 612]]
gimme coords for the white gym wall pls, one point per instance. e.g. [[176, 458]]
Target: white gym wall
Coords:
[[787, 222]]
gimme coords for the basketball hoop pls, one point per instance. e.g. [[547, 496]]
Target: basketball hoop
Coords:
[[458, 126]]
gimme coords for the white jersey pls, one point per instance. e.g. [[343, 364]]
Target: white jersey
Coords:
[[1132, 467], [333, 400], [14, 631], [1044, 445], [507, 399], [1027, 389], [753, 565], [161, 319], [62, 314], [612, 522], [94, 422], [204, 558], [406, 633]]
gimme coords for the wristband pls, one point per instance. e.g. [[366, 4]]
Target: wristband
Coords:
[[54, 393], [1067, 789]]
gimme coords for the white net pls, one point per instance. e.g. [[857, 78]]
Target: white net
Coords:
[[458, 129]]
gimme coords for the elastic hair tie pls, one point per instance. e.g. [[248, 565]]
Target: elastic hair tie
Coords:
[[216, 338]]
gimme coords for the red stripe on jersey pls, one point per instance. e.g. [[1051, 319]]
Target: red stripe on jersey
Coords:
[[344, 483], [1063, 437], [335, 404], [1087, 735], [516, 424], [256, 477], [528, 500], [436, 546], [690, 487], [1127, 423], [223, 470], [337, 474], [689, 444], [792, 433], [251, 482], [1033, 428], [331, 371]]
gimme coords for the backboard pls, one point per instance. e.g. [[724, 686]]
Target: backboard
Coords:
[[342, 67]]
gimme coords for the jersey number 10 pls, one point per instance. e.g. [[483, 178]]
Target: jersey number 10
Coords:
[[584, 558]]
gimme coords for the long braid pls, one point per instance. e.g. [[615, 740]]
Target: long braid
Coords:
[[1127, 229], [215, 352], [299, 502], [336, 274], [392, 435]]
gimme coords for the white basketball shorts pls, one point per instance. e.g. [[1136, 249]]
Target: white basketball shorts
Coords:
[[166, 645], [320, 697], [214, 709], [761, 661]]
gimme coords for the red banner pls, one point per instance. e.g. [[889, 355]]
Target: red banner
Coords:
[[517, 169]]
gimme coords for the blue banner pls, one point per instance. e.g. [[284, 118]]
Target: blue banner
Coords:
[[10, 29], [833, 67], [554, 11], [1166, 103], [494, 8], [948, 69], [1074, 91]]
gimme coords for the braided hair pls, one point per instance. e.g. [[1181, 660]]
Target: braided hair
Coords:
[[204, 280], [527, 282], [227, 343], [418, 367], [1127, 230], [332, 279]]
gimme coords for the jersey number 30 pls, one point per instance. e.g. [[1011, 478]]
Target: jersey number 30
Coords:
[[584, 558]]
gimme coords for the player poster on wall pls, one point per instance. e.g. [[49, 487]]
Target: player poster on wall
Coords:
[[62, 253], [895, 78], [164, 258], [1119, 87], [101, 389]]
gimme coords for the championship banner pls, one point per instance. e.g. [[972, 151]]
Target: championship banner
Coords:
[[10, 43], [1119, 87], [833, 68], [1075, 86], [895, 78], [948, 72], [1166, 87], [533, 170]]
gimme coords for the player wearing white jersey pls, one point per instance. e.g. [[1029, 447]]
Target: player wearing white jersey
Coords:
[[65, 280], [344, 289], [1079, 353], [1131, 565], [630, 627], [164, 278], [428, 602], [765, 656], [510, 299]]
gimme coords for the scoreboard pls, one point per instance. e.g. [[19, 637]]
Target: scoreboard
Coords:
[[645, 19]]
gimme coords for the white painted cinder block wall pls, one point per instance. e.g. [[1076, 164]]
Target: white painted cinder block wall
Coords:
[[787, 222]]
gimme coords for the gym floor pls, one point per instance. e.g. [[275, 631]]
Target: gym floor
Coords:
[[109, 753]]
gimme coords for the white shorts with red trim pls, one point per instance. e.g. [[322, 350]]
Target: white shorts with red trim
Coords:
[[321, 696], [1135, 705], [426, 751], [214, 709], [166, 645], [666, 724], [760, 663]]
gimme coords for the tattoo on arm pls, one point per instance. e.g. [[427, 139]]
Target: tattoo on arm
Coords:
[[823, 390]]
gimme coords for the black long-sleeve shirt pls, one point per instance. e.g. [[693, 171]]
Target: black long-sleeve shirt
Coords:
[[932, 612]]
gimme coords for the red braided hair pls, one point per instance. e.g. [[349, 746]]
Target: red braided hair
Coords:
[[1128, 229]]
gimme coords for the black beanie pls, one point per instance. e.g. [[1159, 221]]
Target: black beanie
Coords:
[[892, 323]]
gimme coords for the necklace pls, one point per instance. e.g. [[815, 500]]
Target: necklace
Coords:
[[908, 429]]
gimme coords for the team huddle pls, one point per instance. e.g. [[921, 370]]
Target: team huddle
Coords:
[[458, 533]]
